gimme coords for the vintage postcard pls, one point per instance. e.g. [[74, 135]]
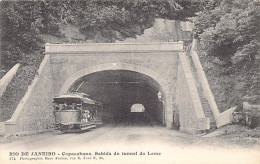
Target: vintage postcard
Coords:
[[130, 81]]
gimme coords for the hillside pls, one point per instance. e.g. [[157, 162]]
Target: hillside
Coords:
[[229, 34]]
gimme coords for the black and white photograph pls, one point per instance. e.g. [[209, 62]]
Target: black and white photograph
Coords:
[[130, 81]]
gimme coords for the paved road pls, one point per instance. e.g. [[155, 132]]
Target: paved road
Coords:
[[159, 145]]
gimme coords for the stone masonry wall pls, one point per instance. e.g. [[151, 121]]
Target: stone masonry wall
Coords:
[[189, 109], [35, 111], [66, 65], [6, 79], [187, 115]]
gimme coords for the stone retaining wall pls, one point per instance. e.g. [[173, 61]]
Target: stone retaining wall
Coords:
[[35, 111], [223, 118], [7, 78], [189, 109], [3, 84], [2, 128], [203, 80]]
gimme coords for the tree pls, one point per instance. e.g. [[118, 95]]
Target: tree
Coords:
[[229, 35], [230, 29]]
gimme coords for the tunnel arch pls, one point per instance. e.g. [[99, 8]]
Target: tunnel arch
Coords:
[[164, 88]]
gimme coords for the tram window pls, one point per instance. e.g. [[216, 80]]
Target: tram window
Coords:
[[56, 106], [74, 106], [61, 106]]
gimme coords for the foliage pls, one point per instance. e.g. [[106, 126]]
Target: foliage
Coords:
[[230, 30], [229, 37], [20, 28], [19, 85], [230, 84]]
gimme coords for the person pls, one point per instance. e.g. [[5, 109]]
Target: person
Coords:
[[66, 106], [85, 116]]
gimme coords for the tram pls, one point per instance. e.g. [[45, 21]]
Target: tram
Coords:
[[76, 112]]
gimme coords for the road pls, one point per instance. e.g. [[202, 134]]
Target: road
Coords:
[[159, 145]]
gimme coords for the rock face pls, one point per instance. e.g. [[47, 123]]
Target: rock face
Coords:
[[154, 30]]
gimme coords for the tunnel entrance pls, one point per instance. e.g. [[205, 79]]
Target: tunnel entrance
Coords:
[[119, 91]]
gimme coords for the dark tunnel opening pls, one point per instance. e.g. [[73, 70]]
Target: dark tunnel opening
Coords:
[[118, 90]]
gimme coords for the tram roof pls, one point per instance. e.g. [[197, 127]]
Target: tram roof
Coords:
[[74, 98]]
